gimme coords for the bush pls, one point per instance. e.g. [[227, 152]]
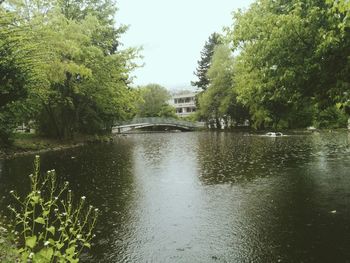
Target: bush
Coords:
[[50, 227], [331, 118]]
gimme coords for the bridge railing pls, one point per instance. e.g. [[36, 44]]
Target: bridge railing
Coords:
[[158, 120]]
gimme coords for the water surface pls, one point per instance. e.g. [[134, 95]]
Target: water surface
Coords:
[[209, 197]]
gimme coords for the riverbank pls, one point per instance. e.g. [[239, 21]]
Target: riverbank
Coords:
[[283, 131], [7, 245], [33, 144], [25, 144]]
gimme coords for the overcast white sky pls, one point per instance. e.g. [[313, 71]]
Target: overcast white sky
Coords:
[[172, 33]]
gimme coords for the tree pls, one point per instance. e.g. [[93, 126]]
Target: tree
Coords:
[[292, 55], [18, 59], [88, 89], [107, 37], [205, 61], [338, 45], [83, 76], [154, 102], [219, 101]]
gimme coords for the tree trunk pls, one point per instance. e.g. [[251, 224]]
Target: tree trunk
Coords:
[[53, 120]]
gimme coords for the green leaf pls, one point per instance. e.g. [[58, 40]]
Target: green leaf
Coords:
[[59, 245], [51, 229], [25, 256], [31, 241], [87, 245], [74, 232], [28, 213], [35, 198], [70, 251], [46, 212], [72, 260], [40, 220], [58, 254], [45, 253]]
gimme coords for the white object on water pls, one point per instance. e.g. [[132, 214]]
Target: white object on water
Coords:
[[274, 134], [311, 128]]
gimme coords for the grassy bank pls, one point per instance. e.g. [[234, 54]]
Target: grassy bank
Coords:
[[25, 143], [7, 245]]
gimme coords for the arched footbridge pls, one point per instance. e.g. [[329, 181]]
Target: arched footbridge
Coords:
[[139, 123]]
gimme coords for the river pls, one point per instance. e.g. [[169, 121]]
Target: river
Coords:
[[208, 196]]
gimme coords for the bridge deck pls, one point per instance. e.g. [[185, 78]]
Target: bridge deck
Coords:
[[154, 121]]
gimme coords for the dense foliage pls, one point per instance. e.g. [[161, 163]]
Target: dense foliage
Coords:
[[153, 102], [219, 102], [292, 64], [16, 63], [61, 66]]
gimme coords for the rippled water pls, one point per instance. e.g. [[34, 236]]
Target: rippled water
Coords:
[[209, 197]]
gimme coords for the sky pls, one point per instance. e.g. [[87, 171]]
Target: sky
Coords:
[[172, 34]]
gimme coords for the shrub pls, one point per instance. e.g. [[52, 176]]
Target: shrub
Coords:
[[331, 118], [50, 227]]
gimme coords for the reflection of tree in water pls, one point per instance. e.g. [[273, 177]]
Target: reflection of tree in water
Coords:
[[331, 145], [14, 176], [287, 217], [152, 149], [232, 157], [108, 177]]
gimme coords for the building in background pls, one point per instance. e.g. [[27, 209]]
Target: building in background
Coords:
[[184, 103]]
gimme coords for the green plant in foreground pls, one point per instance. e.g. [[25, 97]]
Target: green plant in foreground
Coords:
[[52, 229]]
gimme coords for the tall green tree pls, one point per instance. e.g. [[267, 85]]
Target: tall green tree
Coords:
[[292, 55], [219, 101], [338, 44], [107, 37], [154, 102], [205, 61], [81, 74], [87, 88], [18, 58]]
